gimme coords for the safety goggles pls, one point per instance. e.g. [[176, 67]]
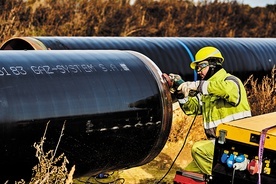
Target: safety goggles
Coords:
[[200, 66]]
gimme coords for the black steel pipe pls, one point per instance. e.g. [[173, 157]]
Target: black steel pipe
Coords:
[[116, 107], [243, 56]]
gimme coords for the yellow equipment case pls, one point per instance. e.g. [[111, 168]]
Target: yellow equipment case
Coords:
[[238, 142]]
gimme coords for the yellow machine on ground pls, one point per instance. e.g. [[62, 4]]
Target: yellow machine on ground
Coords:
[[245, 151]]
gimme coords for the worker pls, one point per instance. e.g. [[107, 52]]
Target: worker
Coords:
[[219, 97]]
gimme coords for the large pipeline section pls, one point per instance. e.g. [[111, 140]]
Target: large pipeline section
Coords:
[[114, 105], [243, 56]]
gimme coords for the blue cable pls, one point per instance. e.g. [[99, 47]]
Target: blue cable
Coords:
[[191, 56]]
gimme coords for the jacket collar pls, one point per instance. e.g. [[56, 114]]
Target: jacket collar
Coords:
[[219, 75]]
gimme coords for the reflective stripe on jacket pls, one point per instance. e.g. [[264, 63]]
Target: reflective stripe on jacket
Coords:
[[223, 100]]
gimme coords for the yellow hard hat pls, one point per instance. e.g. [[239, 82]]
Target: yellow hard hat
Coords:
[[205, 53]]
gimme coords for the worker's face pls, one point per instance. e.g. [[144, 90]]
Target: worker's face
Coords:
[[202, 68]]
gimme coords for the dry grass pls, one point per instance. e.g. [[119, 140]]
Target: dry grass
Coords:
[[50, 168], [145, 18], [262, 95]]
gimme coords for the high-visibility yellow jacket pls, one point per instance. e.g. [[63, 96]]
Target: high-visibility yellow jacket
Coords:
[[222, 99]]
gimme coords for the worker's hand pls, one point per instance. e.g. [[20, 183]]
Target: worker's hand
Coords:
[[174, 76], [176, 80], [188, 88]]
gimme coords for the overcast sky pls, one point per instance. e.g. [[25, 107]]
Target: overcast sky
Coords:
[[252, 3]]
